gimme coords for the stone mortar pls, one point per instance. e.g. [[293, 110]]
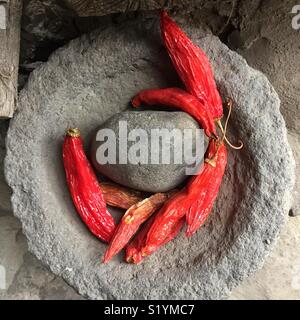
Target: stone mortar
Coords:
[[86, 82]]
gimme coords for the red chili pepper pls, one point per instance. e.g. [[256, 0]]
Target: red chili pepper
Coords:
[[192, 65], [195, 201], [165, 222], [133, 250], [85, 189], [178, 98], [204, 189], [131, 221], [195, 196]]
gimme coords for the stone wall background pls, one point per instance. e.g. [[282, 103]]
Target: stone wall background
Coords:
[[261, 31]]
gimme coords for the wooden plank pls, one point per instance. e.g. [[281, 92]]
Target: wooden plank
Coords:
[[103, 7], [10, 26]]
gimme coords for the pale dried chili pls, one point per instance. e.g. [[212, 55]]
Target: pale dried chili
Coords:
[[134, 249], [134, 217], [120, 197]]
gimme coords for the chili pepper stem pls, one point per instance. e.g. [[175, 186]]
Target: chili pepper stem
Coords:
[[73, 132], [224, 138], [228, 104]]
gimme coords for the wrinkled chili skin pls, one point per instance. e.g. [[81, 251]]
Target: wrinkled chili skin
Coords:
[[134, 249], [85, 189], [204, 189], [189, 198], [131, 221], [192, 65], [194, 202], [118, 196], [165, 222], [180, 99]]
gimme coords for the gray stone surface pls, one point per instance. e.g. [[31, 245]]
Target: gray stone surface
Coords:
[[294, 140], [266, 39], [11, 254], [33, 281], [250, 20], [279, 279], [5, 192], [84, 84], [144, 175]]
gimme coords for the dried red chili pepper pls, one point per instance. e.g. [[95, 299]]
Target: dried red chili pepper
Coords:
[[192, 65], [85, 189], [177, 207], [120, 197], [204, 188], [180, 99], [131, 221], [165, 222], [133, 250], [196, 200]]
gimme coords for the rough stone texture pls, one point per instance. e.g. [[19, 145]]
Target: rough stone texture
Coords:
[[10, 254], [5, 193], [102, 7], [265, 37], [85, 83], [146, 176], [294, 140], [244, 26], [280, 276], [47, 25], [278, 279], [34, 281], [261, 31]]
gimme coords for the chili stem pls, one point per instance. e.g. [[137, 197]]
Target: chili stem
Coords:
[[228, 104]]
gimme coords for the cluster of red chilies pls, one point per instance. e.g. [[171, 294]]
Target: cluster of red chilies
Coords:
[[163, 214]]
